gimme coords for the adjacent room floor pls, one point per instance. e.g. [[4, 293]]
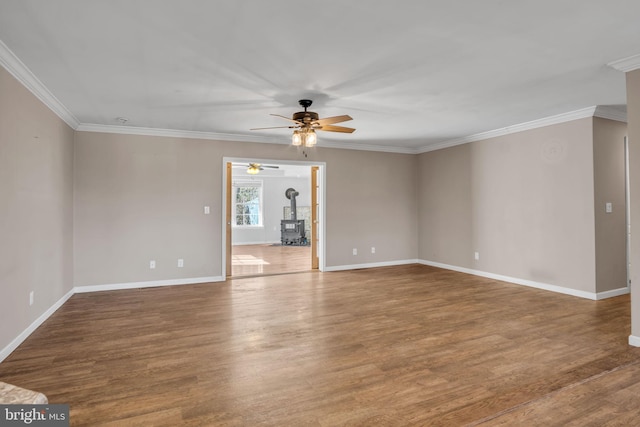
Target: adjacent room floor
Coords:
[[252, 260], [404, 345]]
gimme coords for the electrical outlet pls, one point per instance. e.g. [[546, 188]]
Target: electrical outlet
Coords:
[[373, 250], [31, 297], [355, 251], [152, 264], [180, 263], [207, 210], [476, 255]]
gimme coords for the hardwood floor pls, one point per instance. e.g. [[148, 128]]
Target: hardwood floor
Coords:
[[406, 345], [251, 260]]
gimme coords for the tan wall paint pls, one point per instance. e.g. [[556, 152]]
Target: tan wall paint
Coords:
[[445, 209], [633, 116], [36, 201], [523, 201], [609, 186], [140, 198]]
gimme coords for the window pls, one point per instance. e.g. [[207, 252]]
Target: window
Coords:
[[247, 196]]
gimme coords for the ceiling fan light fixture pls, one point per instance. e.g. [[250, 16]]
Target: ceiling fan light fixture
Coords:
[[310, 138], [252, 170], [296, 139], [306, 124]]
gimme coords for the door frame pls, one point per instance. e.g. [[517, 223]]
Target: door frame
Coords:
[[627, 200], [322, 179]]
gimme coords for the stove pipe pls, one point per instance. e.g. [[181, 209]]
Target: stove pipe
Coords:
[[291, 195]]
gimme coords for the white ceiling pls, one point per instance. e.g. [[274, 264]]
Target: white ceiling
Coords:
[[412, 73]]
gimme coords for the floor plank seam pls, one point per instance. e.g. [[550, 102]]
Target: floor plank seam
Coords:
[[551, 394]]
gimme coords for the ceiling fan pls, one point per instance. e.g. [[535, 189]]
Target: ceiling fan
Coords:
[[307, 122], [254, 168]]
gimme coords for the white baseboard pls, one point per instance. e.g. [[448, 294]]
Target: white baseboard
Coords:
[[5, 352], [524, 282], [149, 284], [371, 265], [612, 293]]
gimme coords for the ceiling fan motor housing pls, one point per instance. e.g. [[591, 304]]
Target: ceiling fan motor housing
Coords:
[[307, 122], [305, 116]]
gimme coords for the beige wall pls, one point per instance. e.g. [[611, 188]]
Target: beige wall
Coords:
[[139, 198], [445, 209], [523, 201], [36, 201], [609, 186], [633, 115], [89, 208]]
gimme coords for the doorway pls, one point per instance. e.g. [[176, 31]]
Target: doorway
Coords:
[[254, 205]]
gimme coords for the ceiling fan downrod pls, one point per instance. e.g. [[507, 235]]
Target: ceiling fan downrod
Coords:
[[305, 103]]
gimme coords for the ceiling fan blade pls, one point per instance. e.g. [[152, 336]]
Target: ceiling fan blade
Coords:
[[275, 127], [330, 128], [272, 167], [331, 120], [286, 118]]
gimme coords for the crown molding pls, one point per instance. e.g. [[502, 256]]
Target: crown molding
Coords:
[[612, 113], [20, 71], [534, 124], [602, 111], [625, 65], [366, 147], [172, 133]]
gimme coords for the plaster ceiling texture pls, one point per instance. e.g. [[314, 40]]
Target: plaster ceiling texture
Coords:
[[413, 74]]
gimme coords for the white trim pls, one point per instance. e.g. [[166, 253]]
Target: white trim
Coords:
[[605, 112], [634, 341], [371, 265], [5, 352], [20, 71], [322, 202], [524, 282], [625, 65], [611, 113], [148, 284], [612, 293], [173, 133], [366, 147], [534, 124]]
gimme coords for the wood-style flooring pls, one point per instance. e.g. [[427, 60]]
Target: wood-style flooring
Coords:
[[264, 259], [392, 346]]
